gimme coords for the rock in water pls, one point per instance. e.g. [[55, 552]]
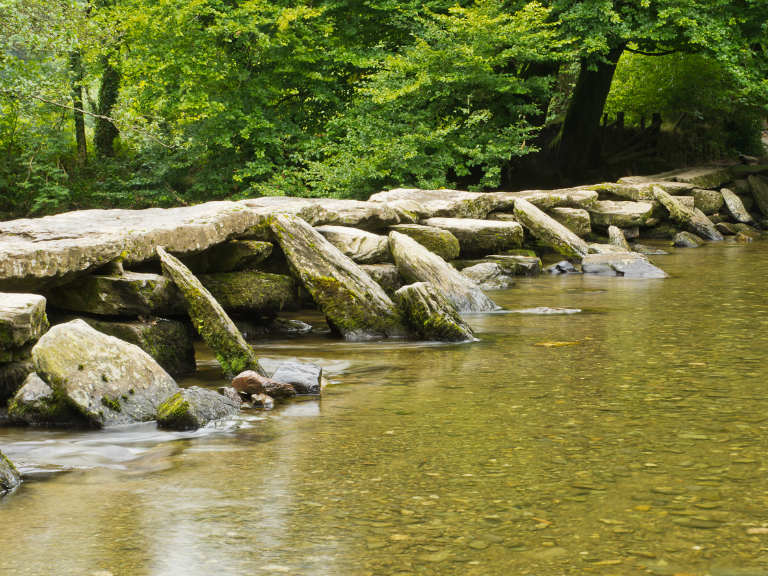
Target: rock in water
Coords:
[[363, 247], [210, 320], [305, 378], [687, 240], [626, 264], [22, 320], [431, 315], [193, 408], [9, 476], [489, 276], [736, 207], [251, 383], [616, 237], [436, 240], [106, 380], [549, 231], [694, 220], [36, 403], [759, 187], [481, 237], [353, 303], [417, 264]]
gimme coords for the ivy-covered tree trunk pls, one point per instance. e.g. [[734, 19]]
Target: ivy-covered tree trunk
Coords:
[[106, 132], [76, 68], [575, 144]]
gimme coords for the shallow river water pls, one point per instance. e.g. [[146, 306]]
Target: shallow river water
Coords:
[[641, 447]]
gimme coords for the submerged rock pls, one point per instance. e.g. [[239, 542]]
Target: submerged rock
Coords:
[[616, 237], [516, 264], [250, 383], [546, 311], [687, 240], [361, 246], [417, 264], [623, 214], [106, 380], [489, 276], [562, 267], [759, 187], [549, 231], [431, 315], [436, 240], [626, 264], [9, 476], [251, 291], [229, 256], [480, 237], [22, 320], [37, 404], [210, 320], [736, 207], [575, 219], [304, 378], [193, 408], [385, 275], [353, 303]]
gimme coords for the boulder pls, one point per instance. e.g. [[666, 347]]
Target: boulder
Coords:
[[250, 383], [129, 294], [417, 264], [106, 380], [361, 246], [735, 207], [353, 303], [385, 275], [747, 230], [169, 342], [423, 204], [36, 404], [436, 240], [743, 238], [263, 401], [616, 237], [562, 267], [626, 264], [687, 240], [708, 201], [209, 319], [193, 408], [510, 264], [759, 187], [9, 476], [430, 314], [549, 231], [575, 219], [229, 256], [694, 220], [51, 250], [546, 199], [481, 237], [489, 276], [251, 291], [304, 378], [320, 211], [12, 375], [22, 320], [623, 214], [726, 229]]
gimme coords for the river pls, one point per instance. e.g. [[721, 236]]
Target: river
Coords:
[[631, 438]]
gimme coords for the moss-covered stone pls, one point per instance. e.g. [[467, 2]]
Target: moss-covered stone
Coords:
[[736, 207], [9, 476], [251, 291], [441, 242], [22, 320], [480, 237], [229, 256], [623, 214], [210, 320], [385, 275], [12, 376], [37, 404], [549, 231], [360, 245], [759, 188], [708, 201], [575, 219], [193, 408], [692, 219], [430, 314]]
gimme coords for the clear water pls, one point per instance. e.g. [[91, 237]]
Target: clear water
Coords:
[[640, 447]]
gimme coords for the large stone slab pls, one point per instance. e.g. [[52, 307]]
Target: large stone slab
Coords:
[[417, 264], [640, 188], [549, 231], [385, 275], [353, 303], [480, 237], [106, 380], [251, 291], [52, 249], [703, 176], [22, 320], [626, 264], [616, 237], [759, 187], [510, 264], [194, 407], [624, 214], [362, 246], [436, 240], [546, 199], [575, 219], [319, 211], [210, 320], [9, 476], [736, 207], [489, 276], [708, 201], [424, 204], [431, 315], [694, 220]]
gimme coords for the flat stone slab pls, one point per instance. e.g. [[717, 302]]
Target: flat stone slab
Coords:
[[626, 264], [480, 237], [703, 176], [320, 211], [434, 203], [547, 199], [639, 188], [54, 248], [22, 319], [577, 220], [431, 315], [623, 214], [362, 246], [510, 264], [549, 231], [441, 242], [708, 201]]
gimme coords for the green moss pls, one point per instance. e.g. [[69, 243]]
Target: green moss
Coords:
[[175, 413], [111, 403]]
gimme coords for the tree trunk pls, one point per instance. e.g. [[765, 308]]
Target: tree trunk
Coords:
[[576, 143], [76, 67], [106, 132]]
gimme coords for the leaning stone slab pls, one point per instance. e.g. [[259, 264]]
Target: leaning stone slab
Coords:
[[424, 204], [759, 187], [52, 249], [436, 240], [251, 291], [616, 237], [480, 237], [431, 315], [549, 231], [361, 246], [129, 294], [575, 219], [735, 207], [546, 199], [22, 320], [210, 320], [106, 380], [694, 220], [36, 404], [626, 264], [229, 256], [623, 214], [708, 201], [489, 276], [9, 476], [305, 378], [385, 275], [195, 407], [417, 264], [353, 303]]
